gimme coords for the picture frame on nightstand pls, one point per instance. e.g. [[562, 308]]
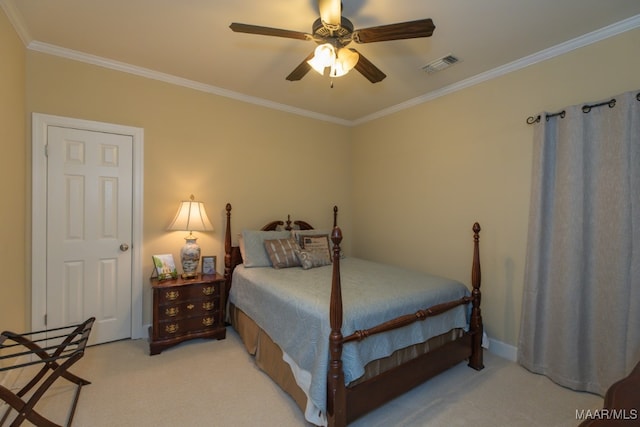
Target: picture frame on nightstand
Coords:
[[209, 264], [164, 266]]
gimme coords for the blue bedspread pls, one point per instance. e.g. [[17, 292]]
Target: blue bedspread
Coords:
[[292, 306]]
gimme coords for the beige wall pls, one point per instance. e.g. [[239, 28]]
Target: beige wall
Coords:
[[409, 185], [12, 179], [424, 175], [266, 163]]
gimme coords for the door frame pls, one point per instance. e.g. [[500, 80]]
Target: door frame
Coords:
[[39, 124]]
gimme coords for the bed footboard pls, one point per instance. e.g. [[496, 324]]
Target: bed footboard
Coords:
[[344, 404]]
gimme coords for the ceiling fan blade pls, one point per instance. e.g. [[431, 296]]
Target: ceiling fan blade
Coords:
[[268, 31], [301, 70], [330, 11], [367, 69], [400, 31]]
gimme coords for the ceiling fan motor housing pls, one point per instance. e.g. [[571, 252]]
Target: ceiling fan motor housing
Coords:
[[324, 33]]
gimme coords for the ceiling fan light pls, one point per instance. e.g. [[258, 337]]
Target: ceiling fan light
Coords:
[[348, 58], [317, 65], [324, 56], [337, 70]]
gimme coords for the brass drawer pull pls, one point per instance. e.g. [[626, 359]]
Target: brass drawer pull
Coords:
[[208, 305], [210, 290], [207, 321], [171, 329], [172, 311], [171, 295], [190, 306]]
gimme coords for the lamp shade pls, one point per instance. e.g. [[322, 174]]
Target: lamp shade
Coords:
[[191, 216]]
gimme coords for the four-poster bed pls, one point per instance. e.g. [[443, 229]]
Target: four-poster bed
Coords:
[[390, 365]]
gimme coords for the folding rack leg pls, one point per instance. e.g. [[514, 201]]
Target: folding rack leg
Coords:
[[26, 409]]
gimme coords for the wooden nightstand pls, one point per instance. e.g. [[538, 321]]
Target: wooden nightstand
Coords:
[[185, 309]]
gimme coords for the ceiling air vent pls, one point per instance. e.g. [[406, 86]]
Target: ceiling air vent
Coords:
[[440, 64]]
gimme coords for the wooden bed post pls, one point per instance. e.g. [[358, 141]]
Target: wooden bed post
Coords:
[[475, 324], [336, 389], [228, 268]]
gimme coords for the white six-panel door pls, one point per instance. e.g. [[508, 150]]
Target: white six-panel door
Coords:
[[87, 226], [89, 231]]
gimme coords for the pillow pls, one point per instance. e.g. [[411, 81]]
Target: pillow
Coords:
[[318, 243], [299, 234], [255, 252], [282, 252], [312, 258], [314, 251]]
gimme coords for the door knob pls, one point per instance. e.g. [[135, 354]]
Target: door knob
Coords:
[[124, 247]]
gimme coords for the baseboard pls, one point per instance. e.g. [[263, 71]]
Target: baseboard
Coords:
[[506, 351]]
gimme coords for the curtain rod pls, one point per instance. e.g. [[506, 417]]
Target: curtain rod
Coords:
[[585, 109]]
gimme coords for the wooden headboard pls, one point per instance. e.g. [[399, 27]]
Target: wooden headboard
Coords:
[[232, 256]]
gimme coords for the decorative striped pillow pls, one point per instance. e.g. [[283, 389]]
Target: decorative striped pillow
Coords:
[[282, 252]]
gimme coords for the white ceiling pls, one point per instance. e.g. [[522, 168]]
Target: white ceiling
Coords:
[[189, 42]]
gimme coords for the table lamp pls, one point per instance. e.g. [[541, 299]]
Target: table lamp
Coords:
[[191, 217]]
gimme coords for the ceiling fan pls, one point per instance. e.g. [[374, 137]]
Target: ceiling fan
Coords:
[[333, 33]]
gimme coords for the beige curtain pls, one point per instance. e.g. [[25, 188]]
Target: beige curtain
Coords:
[[581, 303]]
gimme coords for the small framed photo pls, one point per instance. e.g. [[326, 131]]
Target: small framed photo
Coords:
[[165, 267], [209, 264]]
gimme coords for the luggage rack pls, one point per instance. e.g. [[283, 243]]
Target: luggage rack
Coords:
[[56, 360]]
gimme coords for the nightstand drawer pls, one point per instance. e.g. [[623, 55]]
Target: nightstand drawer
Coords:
[[178, 327], [184, 309], [184, 293]]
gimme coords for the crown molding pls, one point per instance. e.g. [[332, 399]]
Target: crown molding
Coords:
[[16, 20], [179, 81], [543, 55], [612, 30]]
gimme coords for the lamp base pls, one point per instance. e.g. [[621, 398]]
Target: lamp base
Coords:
[[190, 257]]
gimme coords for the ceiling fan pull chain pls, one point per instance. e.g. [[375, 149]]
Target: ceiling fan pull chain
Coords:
[[331, 83]]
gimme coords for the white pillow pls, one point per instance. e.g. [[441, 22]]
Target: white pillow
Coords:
[[255, 253]]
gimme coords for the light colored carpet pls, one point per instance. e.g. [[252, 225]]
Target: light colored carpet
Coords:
[[215, 383]]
